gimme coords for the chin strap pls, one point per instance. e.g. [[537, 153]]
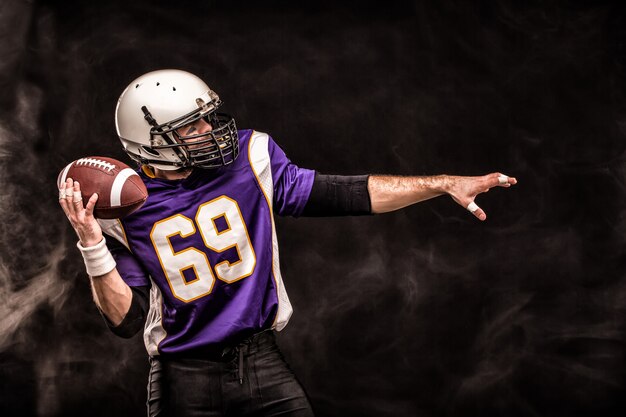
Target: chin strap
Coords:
[[155, 126], [148, 116]]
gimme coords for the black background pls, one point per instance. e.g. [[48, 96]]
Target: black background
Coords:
[[425, 311]]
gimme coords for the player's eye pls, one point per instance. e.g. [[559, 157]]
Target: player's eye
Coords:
[[190, 130]]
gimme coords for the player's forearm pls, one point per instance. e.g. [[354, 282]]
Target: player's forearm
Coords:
[[112, 296], [389, 193]]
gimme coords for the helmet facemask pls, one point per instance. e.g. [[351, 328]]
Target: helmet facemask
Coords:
[[211, 149]]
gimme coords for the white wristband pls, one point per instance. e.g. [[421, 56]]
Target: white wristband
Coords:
[[98, 259]]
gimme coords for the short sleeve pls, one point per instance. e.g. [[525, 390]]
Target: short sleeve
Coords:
[[128, 266], [292, 184]]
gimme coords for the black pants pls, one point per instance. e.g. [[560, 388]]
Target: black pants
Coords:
[[255, 381]]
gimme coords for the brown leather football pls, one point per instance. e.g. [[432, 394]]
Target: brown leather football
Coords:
[[120, 189]]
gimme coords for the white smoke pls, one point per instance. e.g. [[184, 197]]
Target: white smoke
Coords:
[[17, 305]]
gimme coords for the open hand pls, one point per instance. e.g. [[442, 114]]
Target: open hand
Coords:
[[465, 189]]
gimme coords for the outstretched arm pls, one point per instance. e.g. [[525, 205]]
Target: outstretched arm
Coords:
[[389, 193]]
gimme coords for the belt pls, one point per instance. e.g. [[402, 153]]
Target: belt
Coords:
[[229, 353]]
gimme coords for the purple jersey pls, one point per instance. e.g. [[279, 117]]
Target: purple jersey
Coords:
[[207, 244]]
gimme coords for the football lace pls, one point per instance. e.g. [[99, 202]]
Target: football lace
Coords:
[[96, 163]]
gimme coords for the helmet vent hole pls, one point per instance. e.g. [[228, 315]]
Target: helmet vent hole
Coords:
[[137, 86], [173, 88], [158, 84]]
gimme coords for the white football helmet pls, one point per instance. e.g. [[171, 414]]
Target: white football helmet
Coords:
[[153, 108]]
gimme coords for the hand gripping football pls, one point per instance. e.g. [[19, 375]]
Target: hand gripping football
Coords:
[[120, 189]]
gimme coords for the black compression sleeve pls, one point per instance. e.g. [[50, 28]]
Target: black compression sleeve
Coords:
[[136, 316], [338, 195]]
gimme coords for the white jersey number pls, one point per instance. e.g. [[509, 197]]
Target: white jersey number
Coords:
[[233, 235]]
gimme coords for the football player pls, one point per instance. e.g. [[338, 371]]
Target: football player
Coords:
[[197, 266]]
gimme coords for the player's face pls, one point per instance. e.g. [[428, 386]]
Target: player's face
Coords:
[[198, 127]]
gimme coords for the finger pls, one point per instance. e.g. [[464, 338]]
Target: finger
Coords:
[[62, 199], [69, 199], [69, 196], [62, 193], [77, 196], [477, 211], [91, 204], [77, 200], [505, 180]]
